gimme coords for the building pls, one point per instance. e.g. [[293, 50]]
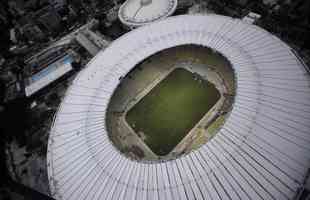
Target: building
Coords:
[[55, 61], [261, 152], [251, 17], [92, 42], [140, 12], [32, 32], [47, 67], [49, 19]]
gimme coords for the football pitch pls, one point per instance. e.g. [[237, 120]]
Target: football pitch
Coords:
[[171, 109]]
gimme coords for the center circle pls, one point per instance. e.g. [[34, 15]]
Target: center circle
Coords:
[[171, 103]]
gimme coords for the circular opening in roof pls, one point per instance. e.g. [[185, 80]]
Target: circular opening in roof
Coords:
[[171, 103]]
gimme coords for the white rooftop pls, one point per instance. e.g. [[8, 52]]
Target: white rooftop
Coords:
[[251, 17], [262, 152], [135, 13]]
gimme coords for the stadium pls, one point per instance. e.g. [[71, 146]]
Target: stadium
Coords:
[[190, 107]]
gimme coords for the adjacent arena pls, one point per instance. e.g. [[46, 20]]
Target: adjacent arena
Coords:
[[134, 13], [260, 152]]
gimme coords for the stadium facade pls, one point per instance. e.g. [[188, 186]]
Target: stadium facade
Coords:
[[261, 152]]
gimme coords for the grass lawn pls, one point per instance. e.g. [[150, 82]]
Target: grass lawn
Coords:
[[213, 128], [171, 109]]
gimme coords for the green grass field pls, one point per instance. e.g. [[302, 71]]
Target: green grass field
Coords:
[[171, 109]]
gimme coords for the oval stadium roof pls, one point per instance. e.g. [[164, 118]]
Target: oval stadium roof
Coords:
[[135, 13], [261, 152]]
